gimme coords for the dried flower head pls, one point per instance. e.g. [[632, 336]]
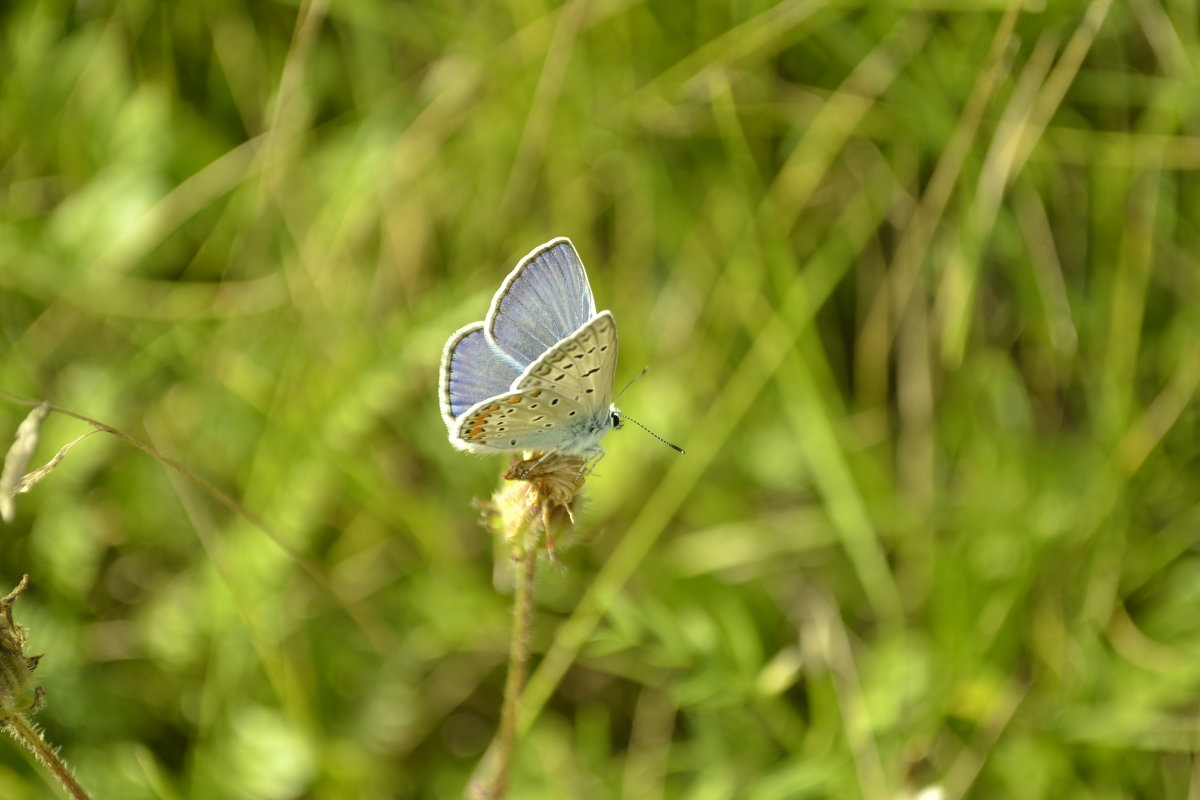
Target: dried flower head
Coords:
[[18, 694], [542, 497]]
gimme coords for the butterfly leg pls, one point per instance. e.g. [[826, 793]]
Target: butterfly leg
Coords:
[[589, 465], [537, 463]]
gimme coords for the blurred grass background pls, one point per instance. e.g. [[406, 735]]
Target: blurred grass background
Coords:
[[917, 284]]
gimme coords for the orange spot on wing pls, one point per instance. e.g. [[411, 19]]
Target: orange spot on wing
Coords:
[[515, 398]]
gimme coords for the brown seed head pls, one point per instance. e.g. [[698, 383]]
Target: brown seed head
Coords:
[[545, 489], [18, 694]]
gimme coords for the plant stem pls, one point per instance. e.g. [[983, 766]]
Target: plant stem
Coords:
[[518, 663], [490, 780], [28, 736]]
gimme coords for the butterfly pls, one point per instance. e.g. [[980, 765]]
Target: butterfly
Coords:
[[537, 373]]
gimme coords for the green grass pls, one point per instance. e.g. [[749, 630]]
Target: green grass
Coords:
[[918, 288]]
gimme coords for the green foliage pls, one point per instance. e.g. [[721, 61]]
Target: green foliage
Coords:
[[918, 288]]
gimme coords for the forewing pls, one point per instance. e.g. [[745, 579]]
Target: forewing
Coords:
[[580, 368], [472, 371], [544, 300]]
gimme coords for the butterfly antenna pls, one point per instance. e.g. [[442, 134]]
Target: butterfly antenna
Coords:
[[632, 381], [674, 447]]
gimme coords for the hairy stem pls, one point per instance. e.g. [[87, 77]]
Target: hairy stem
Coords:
[[490, 780], [28, 736]]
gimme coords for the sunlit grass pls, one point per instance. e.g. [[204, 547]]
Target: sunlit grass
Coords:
[[917, 287]]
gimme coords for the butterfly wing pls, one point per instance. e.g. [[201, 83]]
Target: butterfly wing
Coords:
[[559, 404], [543, 301], [582, 366], [472, 371]]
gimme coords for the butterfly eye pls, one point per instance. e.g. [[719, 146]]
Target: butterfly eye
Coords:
[[616, 420]]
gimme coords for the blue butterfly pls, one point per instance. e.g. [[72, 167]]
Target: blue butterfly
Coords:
[[537, 374]]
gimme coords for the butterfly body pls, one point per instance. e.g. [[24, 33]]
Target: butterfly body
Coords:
[[537, 374]]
